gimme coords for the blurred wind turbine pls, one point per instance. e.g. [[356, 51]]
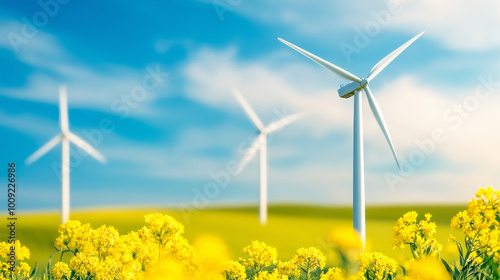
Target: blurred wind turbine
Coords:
[[260, 144], [65, 137], [346, 91]]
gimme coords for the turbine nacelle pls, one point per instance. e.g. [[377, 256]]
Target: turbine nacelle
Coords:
[[348, 90]]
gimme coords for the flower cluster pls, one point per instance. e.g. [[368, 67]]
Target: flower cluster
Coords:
[[480, 253], [428, 268], [103, 253], [419, 236], [376, 266], [12, 255], [263, 264], [480, 222]]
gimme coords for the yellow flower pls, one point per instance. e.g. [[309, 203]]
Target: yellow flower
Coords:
[[427, 268], [288, 268], [259, 255], [333, 273], [345, 238], [309, 259], [22, 252], [107, 269], [59, 270], [212, 253], [84, 264], [167, 270], [376, 264], [131, 271], [23, 269], [103, 240], [420, 236], [73, 235], [404, 230], [480, 223], [162, 226], [474, 259], [235, 271], [265, 275]]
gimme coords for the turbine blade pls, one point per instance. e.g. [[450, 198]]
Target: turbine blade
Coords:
[[44, 149], [276, 125], [251, 152], [248, 110], [63, 110], [377, 113], [327, 65], [386, 60], [86, 147]]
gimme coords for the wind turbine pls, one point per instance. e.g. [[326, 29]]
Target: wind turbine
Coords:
[[65, 137], [260, 143], [354, 88]]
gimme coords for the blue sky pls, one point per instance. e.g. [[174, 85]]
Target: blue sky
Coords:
[[168, 141]]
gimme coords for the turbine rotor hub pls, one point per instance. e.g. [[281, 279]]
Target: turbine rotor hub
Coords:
[[364, 83]]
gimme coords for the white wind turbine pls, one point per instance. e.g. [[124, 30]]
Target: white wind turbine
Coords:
[[260, 144], [346, 91], [65, 137]]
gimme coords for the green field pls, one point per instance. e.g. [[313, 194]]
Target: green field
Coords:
[[289, 226]]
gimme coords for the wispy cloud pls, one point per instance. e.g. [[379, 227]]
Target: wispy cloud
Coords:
[[100, 87]]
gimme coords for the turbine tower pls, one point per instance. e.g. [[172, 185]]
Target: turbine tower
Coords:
[[354, 88], [65, 137], [260, 144]]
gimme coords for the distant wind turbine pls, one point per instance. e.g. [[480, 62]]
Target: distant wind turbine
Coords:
[[260, 144], [346, 91], [65, 137]]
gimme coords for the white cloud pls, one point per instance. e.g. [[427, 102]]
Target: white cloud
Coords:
[[30, 124], [460, 25], [92, 88], [456, 24]]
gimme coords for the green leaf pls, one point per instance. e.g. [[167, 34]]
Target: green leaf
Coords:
[[34, 270], [448, 268], [404, 269]]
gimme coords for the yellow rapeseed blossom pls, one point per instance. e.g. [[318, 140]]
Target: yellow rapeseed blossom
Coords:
[[73, 235], [333, 273], [60, 270], [259, 255], [265, 275], [211, 253], [404, 230], [419, 236], [168, 270], [345, 238], [23, 270], [162, 226], [480, 224], [83, 264], [426, 268], [103, 240], [288, 268], [474, 259], [309, 258], [234, 271], [376, 265]]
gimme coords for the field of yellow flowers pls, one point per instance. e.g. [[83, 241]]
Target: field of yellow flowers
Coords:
[[159, 250]]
